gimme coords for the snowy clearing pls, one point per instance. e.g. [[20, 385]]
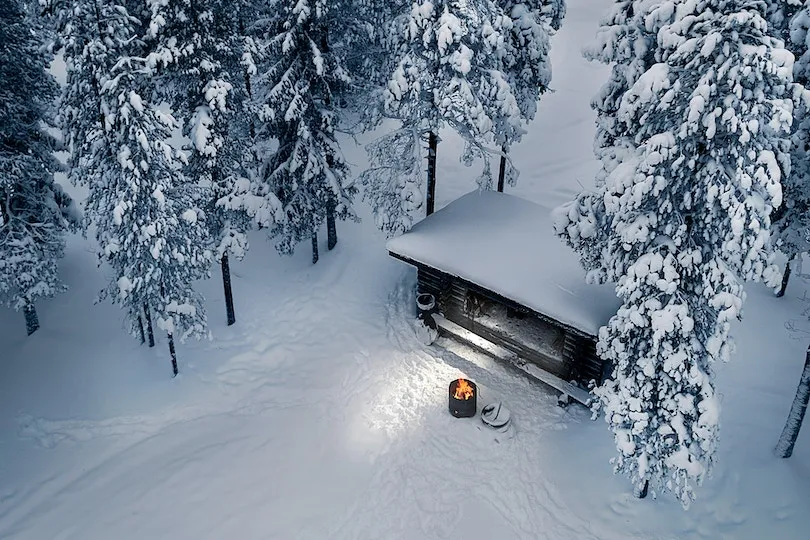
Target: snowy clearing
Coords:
[[319, 415]]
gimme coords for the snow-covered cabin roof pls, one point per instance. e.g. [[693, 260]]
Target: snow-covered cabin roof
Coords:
[[507, 245]]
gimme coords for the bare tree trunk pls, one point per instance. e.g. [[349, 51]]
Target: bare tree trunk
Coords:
[[173, 355], [642, 492], [502, 171], [172, 352], [149, 331], [785, 279], [31, 319], [315, 247], [784, 448], [431, 172], [140, 328], [331, 226], [226, 283]]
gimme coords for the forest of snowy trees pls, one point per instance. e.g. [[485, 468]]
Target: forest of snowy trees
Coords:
[[259, 91], [703, 133]]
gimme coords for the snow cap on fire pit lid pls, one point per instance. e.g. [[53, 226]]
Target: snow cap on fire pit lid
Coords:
[[495, 415]]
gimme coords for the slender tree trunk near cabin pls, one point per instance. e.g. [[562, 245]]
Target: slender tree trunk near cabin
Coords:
[[642, 493], [173, 354], [784, 448], [315, 247], [331, 226], [226, 284], [502, 171], [31, 319], [140, 328], [170, 334], [149, 332], [431, 172], [785, 279]]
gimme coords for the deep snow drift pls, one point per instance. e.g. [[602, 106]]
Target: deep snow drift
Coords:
[[319, 414]]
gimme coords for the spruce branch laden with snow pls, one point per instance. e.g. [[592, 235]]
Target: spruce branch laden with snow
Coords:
[[626, 41], [394, 181], [686, 214]]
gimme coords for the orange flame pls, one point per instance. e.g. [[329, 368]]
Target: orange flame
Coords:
[[463, 390]]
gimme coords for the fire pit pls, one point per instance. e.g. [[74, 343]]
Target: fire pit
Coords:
[[463, 402]]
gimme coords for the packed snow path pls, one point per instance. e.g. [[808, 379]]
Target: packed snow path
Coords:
[[356, 445], [320, 416]]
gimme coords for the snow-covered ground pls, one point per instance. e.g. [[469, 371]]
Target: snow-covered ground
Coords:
[[319, 415]]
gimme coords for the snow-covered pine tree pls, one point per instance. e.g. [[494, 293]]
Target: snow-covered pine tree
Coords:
[[365, 43], [197, 52], [525, 63], [34, 210], [393, 183], [144, 212], [790, 20], [688, 219], [447, 74], [254, 197], [301, 79]]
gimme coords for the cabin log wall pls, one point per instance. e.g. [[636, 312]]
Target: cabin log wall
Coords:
[[577, 360]]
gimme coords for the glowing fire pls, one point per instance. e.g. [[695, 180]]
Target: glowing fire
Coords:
[[463, 390]]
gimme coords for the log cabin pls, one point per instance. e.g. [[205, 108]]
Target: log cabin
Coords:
[[504, 283]]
